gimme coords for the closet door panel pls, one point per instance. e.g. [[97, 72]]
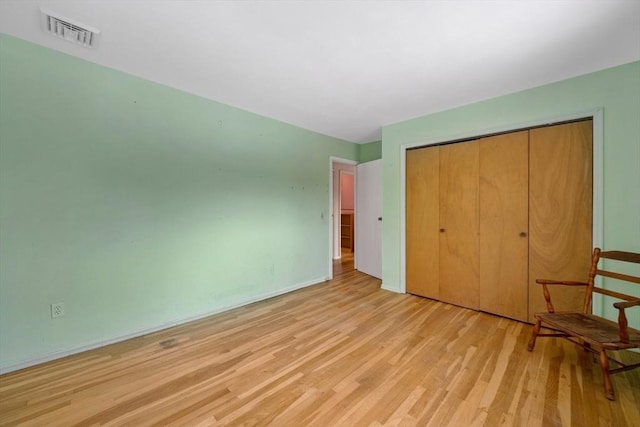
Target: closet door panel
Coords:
[[422, 221], [459, 224], [560, 203], [504, 224]]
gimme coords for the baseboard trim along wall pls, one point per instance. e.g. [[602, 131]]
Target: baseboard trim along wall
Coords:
[[166, 325], [395, 289]]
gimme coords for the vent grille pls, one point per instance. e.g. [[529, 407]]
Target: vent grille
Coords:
[[68, 29]]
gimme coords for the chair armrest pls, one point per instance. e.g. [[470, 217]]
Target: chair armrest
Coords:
[[547, 295], [560, 282], [626, 304], [622, 318]]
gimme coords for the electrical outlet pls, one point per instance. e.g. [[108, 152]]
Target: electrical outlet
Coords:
[[57, 310]]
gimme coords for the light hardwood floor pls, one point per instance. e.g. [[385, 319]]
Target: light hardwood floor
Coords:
[[340, 353]]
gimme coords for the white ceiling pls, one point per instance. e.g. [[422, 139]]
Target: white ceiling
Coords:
[[345, 68]]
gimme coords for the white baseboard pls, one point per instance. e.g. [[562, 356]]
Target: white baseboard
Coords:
[[395, 289], [97, 344]]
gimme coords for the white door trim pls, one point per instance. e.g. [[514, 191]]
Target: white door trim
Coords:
[[597, 115]]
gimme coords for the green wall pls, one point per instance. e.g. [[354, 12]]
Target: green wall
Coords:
[[370, 151], [139, 205], [616, 90]]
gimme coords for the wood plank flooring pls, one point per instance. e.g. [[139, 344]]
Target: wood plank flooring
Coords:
[[340, 353]]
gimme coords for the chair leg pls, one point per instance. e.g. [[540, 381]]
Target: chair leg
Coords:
[[608, 386], [534, 335]]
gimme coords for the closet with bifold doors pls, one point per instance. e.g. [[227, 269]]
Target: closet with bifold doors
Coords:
[[487, 217]]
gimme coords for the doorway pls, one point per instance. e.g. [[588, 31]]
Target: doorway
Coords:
[[343, 210], [355, 228], [343, 215]]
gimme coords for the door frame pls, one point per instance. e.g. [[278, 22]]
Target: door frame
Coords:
[[332, 160], [596, 115]]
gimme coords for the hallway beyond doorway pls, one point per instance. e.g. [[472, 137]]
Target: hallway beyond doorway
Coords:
[[344, 264]]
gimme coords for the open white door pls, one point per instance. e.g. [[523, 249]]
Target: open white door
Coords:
[[368, 248]]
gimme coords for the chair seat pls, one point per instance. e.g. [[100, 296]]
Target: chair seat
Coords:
[[592, 329]]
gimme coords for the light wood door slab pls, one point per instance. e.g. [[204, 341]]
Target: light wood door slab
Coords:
[[459, 224], [504, 224], [422, 221], [560, 204]]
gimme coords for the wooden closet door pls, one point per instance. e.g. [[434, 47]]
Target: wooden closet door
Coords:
[[560, 203], [504, 224], [422, 221], [459, 224]]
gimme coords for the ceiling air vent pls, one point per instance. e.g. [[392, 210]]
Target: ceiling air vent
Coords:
[[68, 29]]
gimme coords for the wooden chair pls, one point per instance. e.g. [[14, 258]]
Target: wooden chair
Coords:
[[594, 333]]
